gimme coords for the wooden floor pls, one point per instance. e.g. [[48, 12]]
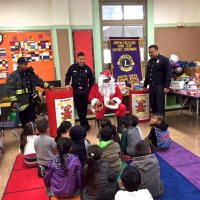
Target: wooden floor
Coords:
[[184, 129]]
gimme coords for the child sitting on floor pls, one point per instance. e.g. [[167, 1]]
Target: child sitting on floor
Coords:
[[100, 179], [131, 180], [63, 176], [130, 136], [115, 135], [135, 124], [149, 168], [80, 144], [111, 150], [45, 146], [159, 137], [27, 138], [63, 130]]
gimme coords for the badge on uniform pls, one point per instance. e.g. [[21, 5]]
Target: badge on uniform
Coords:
[[157, 61]]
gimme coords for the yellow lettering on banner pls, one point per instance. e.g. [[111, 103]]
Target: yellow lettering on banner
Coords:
[[133, 76], [117, 49], [120, 46], [117, 42], [129, 49], [128, 45]]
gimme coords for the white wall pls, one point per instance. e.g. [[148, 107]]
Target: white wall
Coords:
[[80, 12], [60, 12], [165, 11], [45, 12], [191, 11], [176, 11], [25, 13]]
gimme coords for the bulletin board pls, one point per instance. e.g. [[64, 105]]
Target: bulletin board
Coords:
[[35, 46], [83, 42], [184, 42]]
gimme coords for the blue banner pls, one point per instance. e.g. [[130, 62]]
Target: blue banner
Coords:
[[126, 63]]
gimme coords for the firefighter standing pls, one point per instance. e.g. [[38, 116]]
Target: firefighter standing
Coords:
[[21, 85], [82, 81]]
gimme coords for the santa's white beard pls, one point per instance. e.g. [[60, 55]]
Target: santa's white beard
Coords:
[[108, 90]]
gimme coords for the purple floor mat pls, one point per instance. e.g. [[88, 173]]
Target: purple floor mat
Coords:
[[175, 145], [179, 156], [191, 172]]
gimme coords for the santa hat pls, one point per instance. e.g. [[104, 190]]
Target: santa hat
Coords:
[[105, 75]]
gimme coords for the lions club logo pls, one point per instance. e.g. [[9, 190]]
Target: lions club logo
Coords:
[[126, 63]]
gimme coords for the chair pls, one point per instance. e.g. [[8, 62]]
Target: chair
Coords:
[[13, 125]]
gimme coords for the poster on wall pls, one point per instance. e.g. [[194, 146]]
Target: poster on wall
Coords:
[[126, 62], [36, 46], [64, 110], [140, 105]]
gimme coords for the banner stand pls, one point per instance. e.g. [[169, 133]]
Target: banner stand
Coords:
[[126, 62], [139, 104], [60, 107]]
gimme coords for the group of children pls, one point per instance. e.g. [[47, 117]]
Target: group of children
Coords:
[[71, 166]]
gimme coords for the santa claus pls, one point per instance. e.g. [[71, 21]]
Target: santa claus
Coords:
[[106, 95]]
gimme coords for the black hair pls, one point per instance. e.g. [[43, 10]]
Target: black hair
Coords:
[[153, 46], [131, 178], [64, 127], [106, 133], [115, 135], [105, 122], [142, 148], [42, 125], [80, 54], [29, 128], [160, 117], [127, 121], [77, 133], [134, 120], [94, 154], [63, 146]]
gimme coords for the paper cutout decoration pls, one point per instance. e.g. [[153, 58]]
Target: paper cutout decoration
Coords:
[[3, 64], [15, 56], [44, 45], [15, 46], [46, 55], [2, 52], [3, 68]]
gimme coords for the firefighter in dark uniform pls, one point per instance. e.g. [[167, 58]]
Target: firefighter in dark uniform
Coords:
[[82, 81], [21, 85], [158, 77]]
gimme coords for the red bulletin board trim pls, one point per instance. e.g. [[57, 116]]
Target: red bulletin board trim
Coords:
[[45, 69], [83, 42]]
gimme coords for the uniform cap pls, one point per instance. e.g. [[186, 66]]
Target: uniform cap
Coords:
[[22, 60]]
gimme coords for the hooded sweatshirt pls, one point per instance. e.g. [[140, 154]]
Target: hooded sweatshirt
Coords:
[[149, 169], [78, 134], [111, 154], [130, 137], [159, 135]]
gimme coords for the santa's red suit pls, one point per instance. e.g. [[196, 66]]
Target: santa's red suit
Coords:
[[105, 92]]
